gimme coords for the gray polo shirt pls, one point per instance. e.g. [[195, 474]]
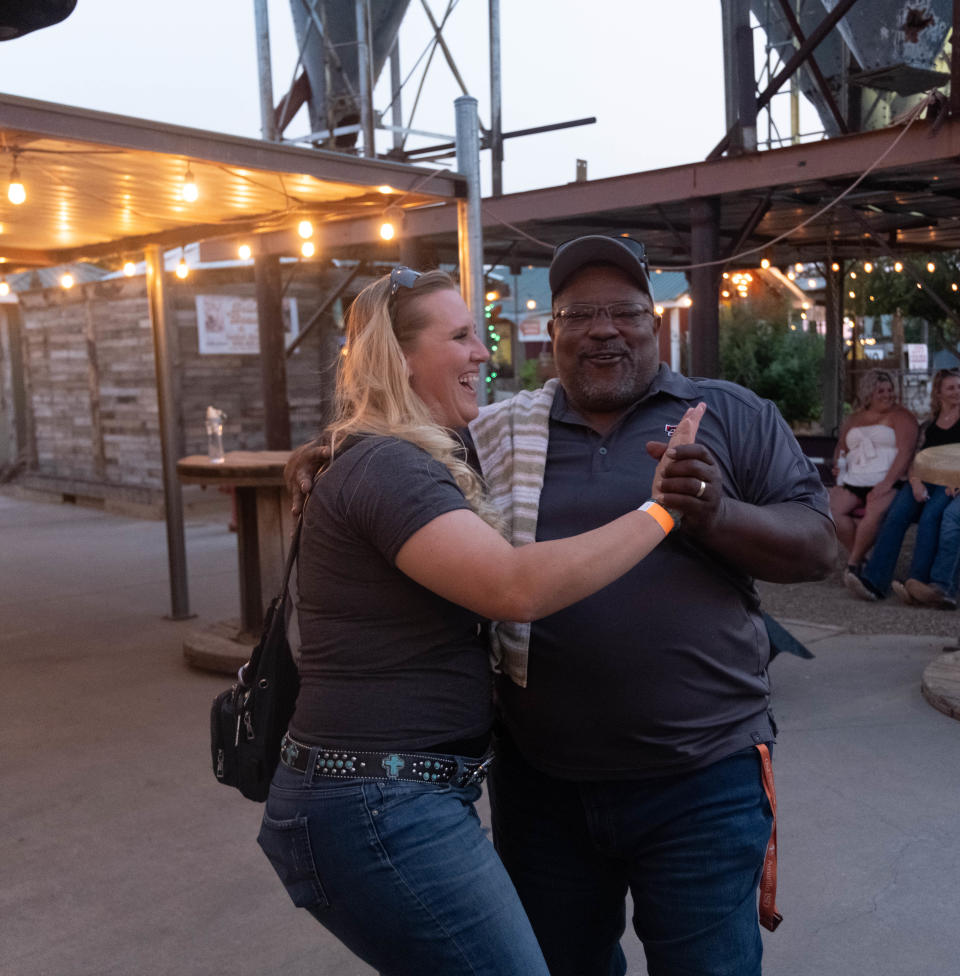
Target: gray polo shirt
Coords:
[[664, 670]]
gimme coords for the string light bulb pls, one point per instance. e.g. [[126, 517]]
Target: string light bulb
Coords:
[[308, 249], [532, 302], [898, 267], [16, 192], [305, 229], [931, 267], [182, 268], [67, 280], [129, 268], [868, 267], [244, 251], [765, 263], [189, 191], [387, 230], [4, 288]]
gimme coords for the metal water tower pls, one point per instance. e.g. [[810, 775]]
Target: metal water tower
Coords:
[[344, 49], [875, 61]]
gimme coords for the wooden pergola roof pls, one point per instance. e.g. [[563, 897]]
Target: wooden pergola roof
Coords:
[[100, 184]]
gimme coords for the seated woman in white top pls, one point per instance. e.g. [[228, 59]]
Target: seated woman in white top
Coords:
[[878, 441]]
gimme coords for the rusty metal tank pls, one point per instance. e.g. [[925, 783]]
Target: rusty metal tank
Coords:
[[327, 35]]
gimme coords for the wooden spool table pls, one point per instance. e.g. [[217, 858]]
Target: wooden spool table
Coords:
[[264, 524], [939, 465]]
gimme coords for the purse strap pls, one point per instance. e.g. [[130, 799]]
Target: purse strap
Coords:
[[291, 558], [279, 618]]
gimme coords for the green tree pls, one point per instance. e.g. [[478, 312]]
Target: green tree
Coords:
[[760, 351]]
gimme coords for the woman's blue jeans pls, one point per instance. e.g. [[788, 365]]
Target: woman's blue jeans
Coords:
[[689, 848], [401, 872], [943, 572], [905, 509]]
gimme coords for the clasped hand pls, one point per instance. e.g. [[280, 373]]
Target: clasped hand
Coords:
[[687, 480]]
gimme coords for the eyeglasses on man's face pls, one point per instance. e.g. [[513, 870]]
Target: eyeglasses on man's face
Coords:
[[622, 315]]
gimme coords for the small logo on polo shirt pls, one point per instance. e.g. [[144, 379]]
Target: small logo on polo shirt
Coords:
[[670, 429]]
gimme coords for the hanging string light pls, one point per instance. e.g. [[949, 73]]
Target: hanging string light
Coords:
[[244, 251], [4, 288], [305, 229], [16, 192], [129, 269], [67, 280], [308, 249], [189, 191], [183, 269]]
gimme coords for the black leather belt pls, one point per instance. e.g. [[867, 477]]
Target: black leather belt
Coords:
[[420, 767]]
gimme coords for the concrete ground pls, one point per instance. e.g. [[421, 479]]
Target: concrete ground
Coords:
[[120, 854]]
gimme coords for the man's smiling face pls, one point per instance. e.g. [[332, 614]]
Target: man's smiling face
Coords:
[[605, 367]]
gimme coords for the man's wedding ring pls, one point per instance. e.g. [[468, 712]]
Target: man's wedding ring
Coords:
[[701, 490]]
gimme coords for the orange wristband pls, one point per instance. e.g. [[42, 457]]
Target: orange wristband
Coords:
[[659, 514]]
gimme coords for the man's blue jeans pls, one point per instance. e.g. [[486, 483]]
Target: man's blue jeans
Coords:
[[689, 848], [401, 872], [904, 510]]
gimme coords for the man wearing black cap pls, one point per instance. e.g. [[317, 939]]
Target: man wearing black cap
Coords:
[[635, 722]]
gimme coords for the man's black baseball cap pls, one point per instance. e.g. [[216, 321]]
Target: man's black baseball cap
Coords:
[[628, 255]]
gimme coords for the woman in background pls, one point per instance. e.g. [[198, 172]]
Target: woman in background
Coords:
[[917, 501], [877, 442]]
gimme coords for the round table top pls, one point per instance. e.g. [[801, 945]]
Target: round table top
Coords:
[[238, 468], [939, 465]]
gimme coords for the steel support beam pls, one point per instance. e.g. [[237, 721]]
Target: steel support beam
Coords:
[[273, 362], [705, 288], [169, 417], [833, 354], [268, 119], [496, 123], [844, 157], [469, 221], [364, 75]]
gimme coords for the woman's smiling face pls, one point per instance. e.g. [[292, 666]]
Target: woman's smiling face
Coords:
[[444, 359]]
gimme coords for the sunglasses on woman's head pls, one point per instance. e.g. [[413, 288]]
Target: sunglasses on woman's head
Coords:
[[402, 278]]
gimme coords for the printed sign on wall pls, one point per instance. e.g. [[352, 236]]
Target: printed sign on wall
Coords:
[[227, 325]]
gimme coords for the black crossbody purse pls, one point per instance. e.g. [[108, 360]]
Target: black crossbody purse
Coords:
[[248, 720]]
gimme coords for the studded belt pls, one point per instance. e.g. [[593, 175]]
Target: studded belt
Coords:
[[420, 767]]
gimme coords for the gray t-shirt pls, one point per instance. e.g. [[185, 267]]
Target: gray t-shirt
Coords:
[[385, 663], [664, 670]]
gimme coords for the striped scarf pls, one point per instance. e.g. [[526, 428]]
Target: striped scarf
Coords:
[[511, 441]]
